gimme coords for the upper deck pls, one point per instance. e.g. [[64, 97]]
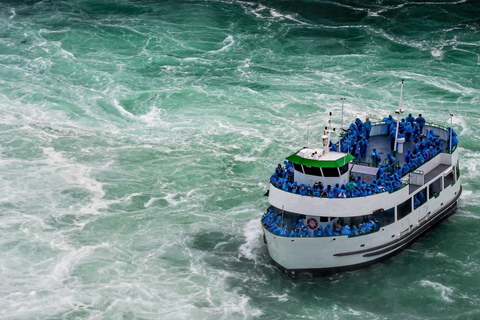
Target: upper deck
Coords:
[[407, 183]]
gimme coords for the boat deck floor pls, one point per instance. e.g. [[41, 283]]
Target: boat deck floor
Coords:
[[382, 144]]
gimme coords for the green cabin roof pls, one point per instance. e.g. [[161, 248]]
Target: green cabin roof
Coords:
[[321, 163]]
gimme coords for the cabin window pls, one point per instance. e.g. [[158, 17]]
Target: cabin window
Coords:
[[448, 179], [355, 221], [420, 198], [330, 172], [344, 169], [298, 167], [435, 188], [385, 217], [314, 171], [458, 171], [404, 209], [323, 219]]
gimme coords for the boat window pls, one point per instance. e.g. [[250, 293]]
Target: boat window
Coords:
[[312, 171], [435, 188], [330, 172], [323, 219], [298, 167], [458, 171], [344, 169], [404, 209], [420, 198], [448, 179], [385, 217]]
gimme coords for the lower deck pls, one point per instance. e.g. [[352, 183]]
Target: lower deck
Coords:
[[338, 253]]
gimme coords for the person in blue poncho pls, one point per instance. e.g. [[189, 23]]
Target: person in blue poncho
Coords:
[[421, 122], [284, 232], [316, 191], [421, 197], [360, 126], [305, 232], [454, 138], [368, 127], [416, 202], [346, 230], [328, 230], [391, 160], [401, 126], [392, 139], [408, 156], [388, 120], [318, 231], [290, 170], [408, 131], [279, 171], [358, 153], [333, 147], [363, 147], [343, 145], [410, 118], [273, 227], [375, 156], [278, 231]]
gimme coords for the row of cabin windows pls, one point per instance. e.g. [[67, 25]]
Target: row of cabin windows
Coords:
[[420, 198], [321, 172]]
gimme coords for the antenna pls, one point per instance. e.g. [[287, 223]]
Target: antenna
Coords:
[[451, 132], [399, 112], [401, 92]]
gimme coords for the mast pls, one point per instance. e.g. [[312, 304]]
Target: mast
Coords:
[[399, 112]]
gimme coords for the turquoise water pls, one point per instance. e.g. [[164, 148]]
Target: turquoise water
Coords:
[[138, 138]]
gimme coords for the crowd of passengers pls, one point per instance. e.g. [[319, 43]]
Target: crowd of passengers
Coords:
[[273, 222], [425, 147]]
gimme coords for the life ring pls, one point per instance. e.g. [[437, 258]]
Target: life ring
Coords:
[[315, 223]]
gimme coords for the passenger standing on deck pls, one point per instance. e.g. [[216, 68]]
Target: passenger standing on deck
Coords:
[[279, 171], [421, 122], [368, 127]]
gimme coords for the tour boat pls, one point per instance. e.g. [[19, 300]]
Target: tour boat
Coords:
[[336, 208]]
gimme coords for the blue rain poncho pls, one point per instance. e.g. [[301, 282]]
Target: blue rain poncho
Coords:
[[333, 147], [328, 230], [318, 232], [305, 232], [346, 230], [368, 127], [391, 160], [410, 118]]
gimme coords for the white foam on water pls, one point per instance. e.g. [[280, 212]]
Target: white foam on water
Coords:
[[78, 174], [72, 257], [227, 43], [437, 53], [253, 233], [121, 109], [444, 291], [244, 158], [150, 202], [470, 161]]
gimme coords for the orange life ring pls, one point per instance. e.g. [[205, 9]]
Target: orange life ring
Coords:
[[315, 223]]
